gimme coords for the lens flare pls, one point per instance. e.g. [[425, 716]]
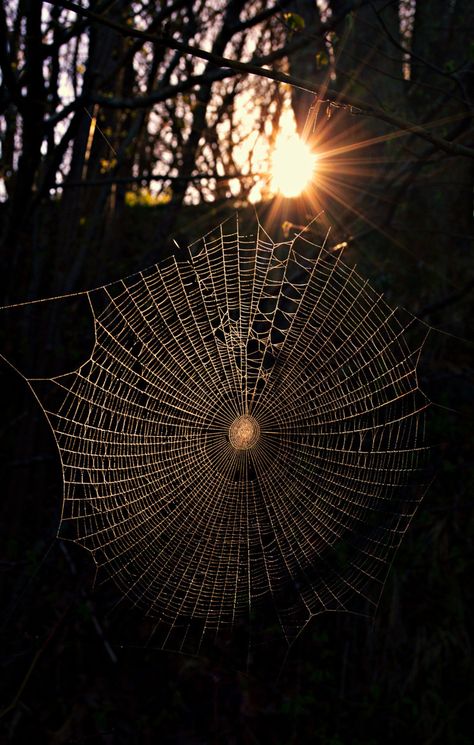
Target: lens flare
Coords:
[[293, 166]]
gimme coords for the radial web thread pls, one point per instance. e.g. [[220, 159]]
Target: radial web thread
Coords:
[[245, 435]]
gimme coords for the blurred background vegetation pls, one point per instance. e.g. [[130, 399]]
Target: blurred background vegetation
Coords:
[[118, 148]]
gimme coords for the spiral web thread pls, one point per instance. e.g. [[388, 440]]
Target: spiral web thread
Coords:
[[243, 436]]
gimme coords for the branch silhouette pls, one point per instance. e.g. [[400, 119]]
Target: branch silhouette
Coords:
[[248, 68]]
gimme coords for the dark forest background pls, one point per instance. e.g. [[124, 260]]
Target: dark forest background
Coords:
[[119, 148]]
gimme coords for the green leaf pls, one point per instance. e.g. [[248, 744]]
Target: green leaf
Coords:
[[322, 60], [294, 21]]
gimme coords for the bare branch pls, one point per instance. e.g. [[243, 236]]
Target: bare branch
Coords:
[[449, 300], [361, 107], [148, 179]]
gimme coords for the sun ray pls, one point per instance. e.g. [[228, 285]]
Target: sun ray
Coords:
[[387, 137]]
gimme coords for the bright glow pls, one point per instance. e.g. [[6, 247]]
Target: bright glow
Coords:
[[293, 165]]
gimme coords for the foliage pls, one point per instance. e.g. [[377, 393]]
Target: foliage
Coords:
[[144, 198]]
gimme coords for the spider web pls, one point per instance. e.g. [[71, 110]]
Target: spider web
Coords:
[[244, 437]]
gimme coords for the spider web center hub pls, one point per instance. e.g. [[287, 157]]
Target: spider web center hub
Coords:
[[244, 432]]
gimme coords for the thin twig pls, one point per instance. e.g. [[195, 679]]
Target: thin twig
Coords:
[[33, 664], [152, 177], [428, 310]]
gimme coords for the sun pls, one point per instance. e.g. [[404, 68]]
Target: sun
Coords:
[[293, 165]]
